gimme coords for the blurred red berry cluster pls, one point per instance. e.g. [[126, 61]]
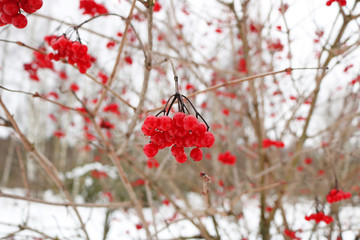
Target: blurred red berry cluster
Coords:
[[227, 158], [268, 143], [318, 217], [92, 8], [341, 2], [336, 195]]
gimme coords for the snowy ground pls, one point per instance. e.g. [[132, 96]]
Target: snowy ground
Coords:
[[61, 222]]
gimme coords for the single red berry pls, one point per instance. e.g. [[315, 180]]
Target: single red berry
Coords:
[[190, 123], [178, 119], [19, 21], [74, 87], [208, 140], [147, 131], [5, 18], [35, 4], [201, 129], [196, 154], [11, 8], [150, 150], [165, 123], [181, 158], [175, 150], [157, 7], [158, 138], [2, 23], [151, 122], [26, 7]]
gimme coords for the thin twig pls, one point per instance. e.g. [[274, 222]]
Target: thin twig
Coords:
[[85, 205]]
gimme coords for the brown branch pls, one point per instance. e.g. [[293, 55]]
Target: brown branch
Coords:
[[259, 189], [37, 95], [85, 205], [116, 67]]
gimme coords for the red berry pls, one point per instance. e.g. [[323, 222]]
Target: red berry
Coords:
[[26, 7], [208, 140], [201, 129], [2, 23], [165, 123], [151, 122], [175, 150], [190, 123], [181, 158], [196, 154], [157, 7], [19, 21], [35, 4], [158, 138], [178, 119], [5, 18], [11, 8], [147, 131], [74, 87], [150, 150]]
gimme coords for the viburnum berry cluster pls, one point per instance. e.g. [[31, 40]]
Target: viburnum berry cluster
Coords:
[[319, 216], [92, 8], [268, 143], [72, 51], [227, 158], [10, 11], [341, 2], [40, 61], [180, 132], [336, 195], [291, 234]]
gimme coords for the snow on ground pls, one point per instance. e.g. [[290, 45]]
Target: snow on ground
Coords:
[[61, 222]]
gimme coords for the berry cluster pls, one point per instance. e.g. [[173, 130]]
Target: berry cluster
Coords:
[[40, 61], [74, 52], [227, 158], [336, 195], [291, 234], [318, 217], [92, 8], [268, 143], [178, 132], [341, 2], [152, 163], [10, 11]]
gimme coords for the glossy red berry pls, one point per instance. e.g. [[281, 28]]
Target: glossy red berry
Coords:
[[190, 123], [178, 119], [196, 154], [150, 150], [181, 158], [175, 150], [147, 131], [158, 138], [165, 123], [5, 18], [201, 129], [151, 122], [35, 4], [11, 8], [19, 21], [208, 140]]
